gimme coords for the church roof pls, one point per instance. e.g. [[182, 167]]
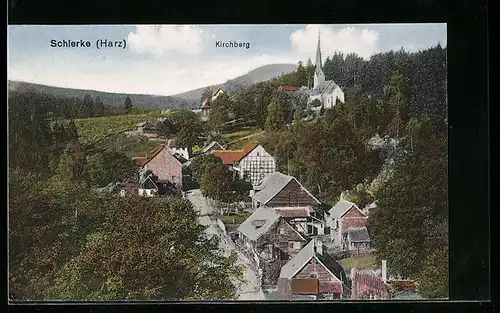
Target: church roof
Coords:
[[325, 87]]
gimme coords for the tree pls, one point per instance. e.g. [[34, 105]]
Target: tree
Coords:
[[397, 103], [108, 167], [72, 166], [127, 105], [206, 95], [215, 181], [219, 112], [88, 109], [168, 128], [200, 162], [409, 224], [191, 134], [276, 119], [99, 109]]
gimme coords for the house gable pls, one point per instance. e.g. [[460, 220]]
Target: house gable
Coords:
[[166, 167], [293, 194], [353, 218], [354, 212]]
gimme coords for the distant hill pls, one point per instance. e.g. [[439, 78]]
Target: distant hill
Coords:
[[186, 100], [257, 75]]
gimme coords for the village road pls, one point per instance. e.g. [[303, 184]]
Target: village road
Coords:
[[250, 289]]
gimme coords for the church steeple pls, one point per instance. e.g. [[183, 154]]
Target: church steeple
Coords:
[[319, 76]]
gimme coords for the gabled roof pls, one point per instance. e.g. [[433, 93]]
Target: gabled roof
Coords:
[[150, 155], [324, 87], [205, 105], [272, 184], [148, 183], [358, 234], [294, 265], [213, 143], [258, 223], [229, 157], [341, 207]]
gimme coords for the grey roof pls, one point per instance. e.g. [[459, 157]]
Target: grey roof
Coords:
[[211, 145], [359, 234], [270, 186], [258, 223], [325, 86], [340, 208], [298, 261], [292, 267]]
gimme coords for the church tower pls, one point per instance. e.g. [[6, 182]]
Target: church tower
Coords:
[[319, 77]]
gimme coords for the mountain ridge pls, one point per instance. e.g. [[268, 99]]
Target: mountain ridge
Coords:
[[186, 100]]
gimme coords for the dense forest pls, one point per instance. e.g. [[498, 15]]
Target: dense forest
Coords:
[[387, 144]]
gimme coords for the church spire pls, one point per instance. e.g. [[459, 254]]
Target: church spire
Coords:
[[319, 64], [319, 77]]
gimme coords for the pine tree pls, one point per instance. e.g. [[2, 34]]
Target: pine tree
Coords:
[[128, 105]]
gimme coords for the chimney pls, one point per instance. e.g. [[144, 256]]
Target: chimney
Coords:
[[318, 245], [384, 271]]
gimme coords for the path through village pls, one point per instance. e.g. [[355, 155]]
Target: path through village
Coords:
[[248, 290]]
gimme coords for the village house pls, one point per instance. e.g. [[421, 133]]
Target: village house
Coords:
[[304, 219], [213, 146], [348, 226], [147, 129], [280, 190], [173, 145], [368, 286], [269, 236], [163, 164], [272, 240], [312, 272], [147, 187], [251, 164], [205, 105]]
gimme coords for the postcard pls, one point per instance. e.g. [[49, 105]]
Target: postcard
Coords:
[[228, 162]]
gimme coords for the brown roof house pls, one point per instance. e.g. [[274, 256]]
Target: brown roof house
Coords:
[[280, 190], [312, 272], [348, 226], [252, 163]]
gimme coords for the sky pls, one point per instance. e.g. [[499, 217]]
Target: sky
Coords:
[[170, 59]]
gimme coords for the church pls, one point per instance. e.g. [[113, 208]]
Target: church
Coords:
[[326, 91]]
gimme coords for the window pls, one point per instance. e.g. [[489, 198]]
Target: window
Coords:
[[281, 231], [290, 245], [313, 276], [258, 154], [336, 224]]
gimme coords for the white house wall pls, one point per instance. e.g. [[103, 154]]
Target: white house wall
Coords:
[[257, 163]]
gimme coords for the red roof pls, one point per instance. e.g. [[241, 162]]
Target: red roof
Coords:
[[306, 286], [293, 212], [143, 160], [229, 157], [288, 88], [205, 105]]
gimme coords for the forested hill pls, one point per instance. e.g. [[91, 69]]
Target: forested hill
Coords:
[[187, 100], [108, 98]]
